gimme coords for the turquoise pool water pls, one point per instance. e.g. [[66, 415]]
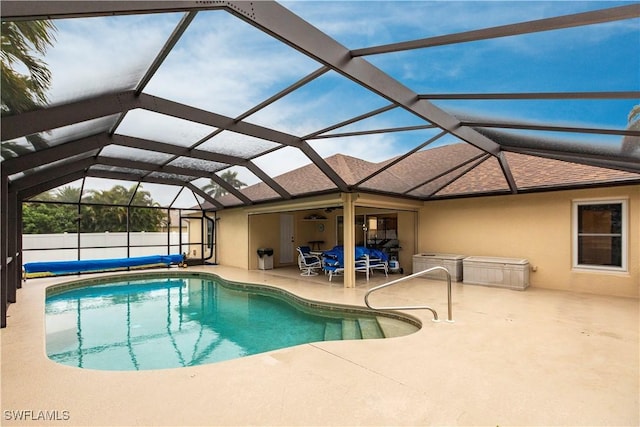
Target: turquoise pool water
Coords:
[[168, 322]]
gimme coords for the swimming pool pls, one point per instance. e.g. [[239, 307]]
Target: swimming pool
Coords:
[[174, 320]]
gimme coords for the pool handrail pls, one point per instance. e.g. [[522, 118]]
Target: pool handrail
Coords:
[[419, 307]]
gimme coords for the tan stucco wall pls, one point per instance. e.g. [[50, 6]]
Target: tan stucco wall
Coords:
[[407, 236], [533, 226], [232, 238], [315, 230], [264, 233]]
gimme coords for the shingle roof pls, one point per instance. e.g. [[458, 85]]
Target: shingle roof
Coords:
[[430, 167]]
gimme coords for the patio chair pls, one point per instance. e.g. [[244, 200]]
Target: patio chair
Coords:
[[333, 261], [362, 265], [333, 270], [307, 262], [378, 260]]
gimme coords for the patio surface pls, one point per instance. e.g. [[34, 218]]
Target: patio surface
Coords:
[[537, 357]]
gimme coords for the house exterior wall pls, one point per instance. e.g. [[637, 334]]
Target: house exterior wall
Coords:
[[537, 227], [407, 226], [232, 239], [316, 230], [241, 231], [265, 233]]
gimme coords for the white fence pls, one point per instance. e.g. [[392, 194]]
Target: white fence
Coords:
[[64, 247]]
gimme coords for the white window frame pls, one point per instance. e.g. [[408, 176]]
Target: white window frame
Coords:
[[624, 237]]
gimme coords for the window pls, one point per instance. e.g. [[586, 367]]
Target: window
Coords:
[[600, 234]]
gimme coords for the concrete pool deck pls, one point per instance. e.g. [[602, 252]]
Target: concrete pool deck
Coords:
[[538, 357]]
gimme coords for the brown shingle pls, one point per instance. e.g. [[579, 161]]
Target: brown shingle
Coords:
[[425, 167], [531, 172]]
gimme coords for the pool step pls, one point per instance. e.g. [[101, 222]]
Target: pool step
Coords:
[[353, 329], [350, 330], [332, 331], [369, 328]]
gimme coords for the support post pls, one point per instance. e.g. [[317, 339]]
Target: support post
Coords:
[[4, 200], [349, 240], [11, 235], [19, 258]]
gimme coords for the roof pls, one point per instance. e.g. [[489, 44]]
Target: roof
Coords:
[[171, 95], [419, 176]]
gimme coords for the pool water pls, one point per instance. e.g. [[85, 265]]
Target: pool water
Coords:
[[157, 323]]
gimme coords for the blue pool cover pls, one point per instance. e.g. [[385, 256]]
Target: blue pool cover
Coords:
[[52, 268]]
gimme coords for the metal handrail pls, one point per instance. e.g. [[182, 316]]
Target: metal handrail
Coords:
[[423, 307]]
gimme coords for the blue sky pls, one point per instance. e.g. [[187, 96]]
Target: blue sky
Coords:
[[227, 66]]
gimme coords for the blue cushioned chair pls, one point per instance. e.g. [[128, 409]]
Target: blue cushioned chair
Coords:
[[333, 261]]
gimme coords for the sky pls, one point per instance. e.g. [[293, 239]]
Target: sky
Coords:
[[226, 66]]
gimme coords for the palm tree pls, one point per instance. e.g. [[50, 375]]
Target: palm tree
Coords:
[[108, 209], [24, 92], [68, 194], [216, 190], [632, 143]]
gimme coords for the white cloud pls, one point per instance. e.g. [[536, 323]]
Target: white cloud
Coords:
[[100, 55], [373, 148], [224, 65], [281, 161]]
